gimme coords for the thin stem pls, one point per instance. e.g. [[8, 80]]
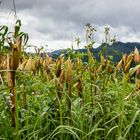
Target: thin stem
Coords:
[[14, 6]]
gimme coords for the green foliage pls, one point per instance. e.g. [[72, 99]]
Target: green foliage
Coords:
[[3, 33], [69, 99]]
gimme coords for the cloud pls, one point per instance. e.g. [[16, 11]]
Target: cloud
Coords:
[[61, 20]]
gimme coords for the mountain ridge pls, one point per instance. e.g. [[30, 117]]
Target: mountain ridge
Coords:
[[115, 50]]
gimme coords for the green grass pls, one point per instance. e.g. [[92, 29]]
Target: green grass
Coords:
[[110, 116]]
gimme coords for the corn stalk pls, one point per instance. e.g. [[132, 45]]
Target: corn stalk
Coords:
[[89, 39], [12, 65], [68, 79], [13, 62]]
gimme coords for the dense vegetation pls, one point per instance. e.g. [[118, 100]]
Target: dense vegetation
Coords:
[[65, 98]]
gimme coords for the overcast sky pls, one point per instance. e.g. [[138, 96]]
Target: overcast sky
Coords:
[[56, 22]]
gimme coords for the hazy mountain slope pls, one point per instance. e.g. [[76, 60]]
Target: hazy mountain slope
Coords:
[[116, 50]]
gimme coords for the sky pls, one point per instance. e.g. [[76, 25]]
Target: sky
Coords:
[[56, 23]]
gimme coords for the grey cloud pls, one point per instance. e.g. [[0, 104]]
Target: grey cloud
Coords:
[[61, 19]]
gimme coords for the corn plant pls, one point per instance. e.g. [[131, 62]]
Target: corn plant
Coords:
[[13, 62], [89, 39]]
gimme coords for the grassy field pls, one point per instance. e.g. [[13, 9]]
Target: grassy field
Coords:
[[67, 99]]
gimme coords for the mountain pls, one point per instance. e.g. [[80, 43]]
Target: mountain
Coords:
[[114, 51]]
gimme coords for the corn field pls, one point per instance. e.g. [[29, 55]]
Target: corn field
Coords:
[[42, 98]]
